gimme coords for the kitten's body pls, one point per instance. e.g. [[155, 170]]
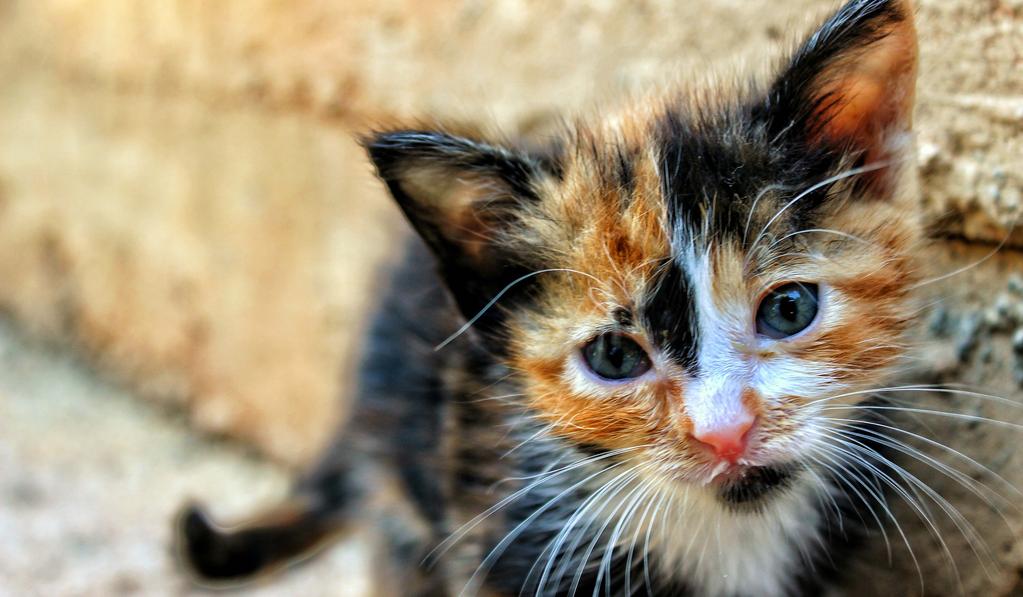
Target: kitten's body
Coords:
[[528, 473]]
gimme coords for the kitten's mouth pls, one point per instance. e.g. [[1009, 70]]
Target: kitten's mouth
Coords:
[[744, 485]]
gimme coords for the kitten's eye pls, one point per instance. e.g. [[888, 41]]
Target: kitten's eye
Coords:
[[615, 356], [787, 310]]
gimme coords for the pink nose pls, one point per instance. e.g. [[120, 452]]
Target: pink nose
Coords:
[[727, 439]]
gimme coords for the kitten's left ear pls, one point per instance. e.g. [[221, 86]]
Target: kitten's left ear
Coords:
[[851, 86]]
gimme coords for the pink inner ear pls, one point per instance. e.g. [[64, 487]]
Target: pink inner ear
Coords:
[[871, 95]]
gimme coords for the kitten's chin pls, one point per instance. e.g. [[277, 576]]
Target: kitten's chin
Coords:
[[751, 486]]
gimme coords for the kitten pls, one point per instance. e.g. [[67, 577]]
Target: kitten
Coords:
[[661, 318]]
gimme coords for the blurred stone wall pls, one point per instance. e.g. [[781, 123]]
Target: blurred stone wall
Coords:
[[181, 199]]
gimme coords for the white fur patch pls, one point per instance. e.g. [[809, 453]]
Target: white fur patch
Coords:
[[720, 551], [727, 340], [717, 549]]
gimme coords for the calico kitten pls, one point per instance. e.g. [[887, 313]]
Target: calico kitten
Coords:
[[659, 319]]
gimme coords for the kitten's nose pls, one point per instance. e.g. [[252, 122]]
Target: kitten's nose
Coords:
[[728, 437]]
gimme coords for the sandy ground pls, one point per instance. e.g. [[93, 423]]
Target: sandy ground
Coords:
[[90, 478]]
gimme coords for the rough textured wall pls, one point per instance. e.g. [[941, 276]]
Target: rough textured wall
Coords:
[[219, 257], [518, 63], [180, 196]]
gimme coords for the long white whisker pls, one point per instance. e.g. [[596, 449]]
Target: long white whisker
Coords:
[[952, 473], [920, 388], [543, 430], [925, 411], [845, 472], [554, 548], [628, 513], [658, 511], [833, 451], [826, 494], [511, 535], [756, 200], [540, 479], [970, 266], [576, 464], [601, 498], [856, 452], [941, 446], [584, 562], [819, 231], [655, 497], [965, 527]]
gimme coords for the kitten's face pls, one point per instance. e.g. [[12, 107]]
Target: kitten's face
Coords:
[[700, 285], [685, 318]]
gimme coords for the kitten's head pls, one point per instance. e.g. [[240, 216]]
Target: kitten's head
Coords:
[[705, 278]]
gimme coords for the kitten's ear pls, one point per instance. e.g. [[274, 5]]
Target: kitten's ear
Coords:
[[465, 198], [850, 87]]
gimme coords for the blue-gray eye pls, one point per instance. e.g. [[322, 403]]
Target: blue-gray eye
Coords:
[[615, 356], [787, 310]]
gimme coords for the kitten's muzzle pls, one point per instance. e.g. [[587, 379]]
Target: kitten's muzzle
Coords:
[[722, 411]]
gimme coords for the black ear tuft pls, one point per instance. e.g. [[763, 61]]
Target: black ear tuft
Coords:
[[467, 199], [850, 86], [460, 194], [398, 152]]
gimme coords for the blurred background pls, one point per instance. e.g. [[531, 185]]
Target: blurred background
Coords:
[[190, 238]]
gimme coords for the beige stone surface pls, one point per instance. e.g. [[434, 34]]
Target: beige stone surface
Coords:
[[182, 202], [220, 258]]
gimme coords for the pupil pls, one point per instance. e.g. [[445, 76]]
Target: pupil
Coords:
[[615, 355], [787, 310], [789, 307]]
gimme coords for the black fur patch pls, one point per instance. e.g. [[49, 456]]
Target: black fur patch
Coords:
[[220, 555], [472, 280], [711, 168], [670, 313]]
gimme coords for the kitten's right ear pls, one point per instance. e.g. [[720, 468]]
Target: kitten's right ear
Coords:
[[465, 198]]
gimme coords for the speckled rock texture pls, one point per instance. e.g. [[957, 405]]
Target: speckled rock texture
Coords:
[[182, 203]]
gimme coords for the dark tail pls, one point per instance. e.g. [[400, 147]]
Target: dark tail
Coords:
[[218, 554]]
